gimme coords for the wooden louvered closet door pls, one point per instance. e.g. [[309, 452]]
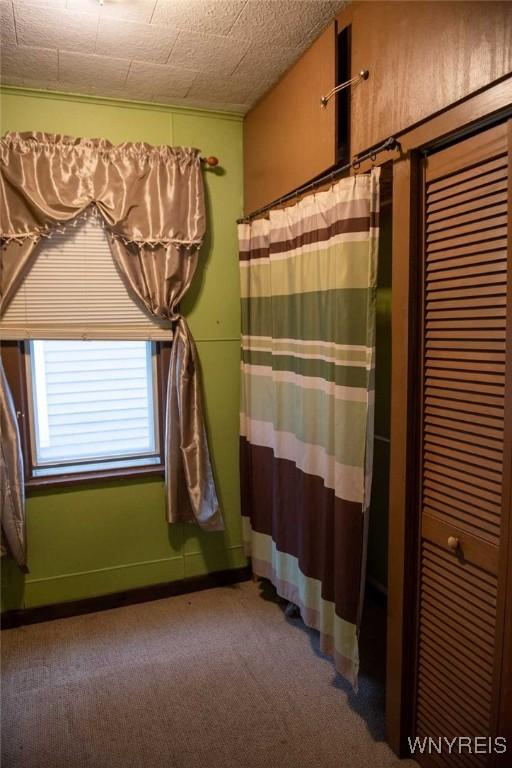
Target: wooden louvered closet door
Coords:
[[462, 400]]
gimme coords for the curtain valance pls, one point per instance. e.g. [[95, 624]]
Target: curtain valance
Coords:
[[147, 195], [151, 200]]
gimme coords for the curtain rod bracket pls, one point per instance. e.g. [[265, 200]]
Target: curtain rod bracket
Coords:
[[371, 154]]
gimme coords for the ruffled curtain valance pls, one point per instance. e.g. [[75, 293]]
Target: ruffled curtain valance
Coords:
[[151, 200], [146, 194]]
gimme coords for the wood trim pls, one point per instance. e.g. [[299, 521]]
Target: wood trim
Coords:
[[163, 362], [82, 98], [403, 526], [490, 103], [81, 478], [502, 713], [475, 550], [486, 104], [474, 113], [14, 366], [481, 146], [17, 618]]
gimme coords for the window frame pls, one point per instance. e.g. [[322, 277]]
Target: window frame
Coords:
[[14, 358]]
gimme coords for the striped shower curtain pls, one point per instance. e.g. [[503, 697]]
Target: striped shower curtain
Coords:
[[308, 283]]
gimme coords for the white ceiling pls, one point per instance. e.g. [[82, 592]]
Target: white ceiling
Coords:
[[218, 54]]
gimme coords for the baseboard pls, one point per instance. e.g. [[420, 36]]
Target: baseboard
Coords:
[[21, 616]]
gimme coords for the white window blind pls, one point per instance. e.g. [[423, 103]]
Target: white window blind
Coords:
[[74, 290], [92, 402]]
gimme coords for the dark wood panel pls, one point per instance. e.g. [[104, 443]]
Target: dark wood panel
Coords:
[[495, 244], [479, 236], [468, 262], [458, 463], [473, 157], [459, 615], [456, 676], [463, 348], [464, 343], [457, 303], [451, 652], [457, 627], [484, 605], [472, 226], [473, 200], [479, 501], [451, 191], [502, 710], [403, 522], [469, 437], [422, 56]]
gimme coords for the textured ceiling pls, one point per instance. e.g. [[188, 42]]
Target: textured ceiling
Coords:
[[218, 54]]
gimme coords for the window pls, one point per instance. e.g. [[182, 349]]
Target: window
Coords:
[[88, 409], [86, 363], [92, 405]]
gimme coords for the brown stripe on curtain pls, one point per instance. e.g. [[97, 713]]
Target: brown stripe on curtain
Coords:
[[305, 519], [322, 234]]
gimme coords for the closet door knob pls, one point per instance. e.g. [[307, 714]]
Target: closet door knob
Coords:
[[453, 543]]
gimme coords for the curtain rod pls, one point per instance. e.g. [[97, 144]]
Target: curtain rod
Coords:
[[371, 154]]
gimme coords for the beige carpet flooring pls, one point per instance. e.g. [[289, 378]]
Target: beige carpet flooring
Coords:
[[215, 679]]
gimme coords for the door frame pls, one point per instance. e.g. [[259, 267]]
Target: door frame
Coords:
[[473, 115], [502, 713]]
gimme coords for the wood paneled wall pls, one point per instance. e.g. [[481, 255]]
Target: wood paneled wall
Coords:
[[422, 57], [288, 137]]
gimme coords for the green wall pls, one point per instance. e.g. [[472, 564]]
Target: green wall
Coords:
[[96, 539], [110, 536]]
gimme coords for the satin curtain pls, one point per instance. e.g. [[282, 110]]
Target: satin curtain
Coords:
[[12, 490], [308, 284], [152, 202]]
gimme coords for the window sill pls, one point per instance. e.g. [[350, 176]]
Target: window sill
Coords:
[[81, 478]]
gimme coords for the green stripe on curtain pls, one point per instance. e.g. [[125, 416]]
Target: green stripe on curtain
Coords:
[[341, 265], [307, 413], [344, 376], [328, 315], [308, 283]]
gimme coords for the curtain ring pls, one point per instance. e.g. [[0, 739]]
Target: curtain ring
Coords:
[[373, 158]]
